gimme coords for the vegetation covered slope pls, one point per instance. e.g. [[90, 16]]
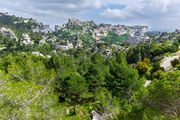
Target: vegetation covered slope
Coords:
[[41, 82]]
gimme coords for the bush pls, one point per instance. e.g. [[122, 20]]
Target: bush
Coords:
[[175, 62], [178, 66], [158, 74]]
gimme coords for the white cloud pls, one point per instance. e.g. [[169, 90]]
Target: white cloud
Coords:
[[66, 6], [145, 8], [117, 13], [156, 13], [49, 10]]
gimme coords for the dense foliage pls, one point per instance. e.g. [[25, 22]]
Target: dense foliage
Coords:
[[40, 82], [113, 38]]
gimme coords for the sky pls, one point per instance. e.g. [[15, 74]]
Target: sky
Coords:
[[159, 15]]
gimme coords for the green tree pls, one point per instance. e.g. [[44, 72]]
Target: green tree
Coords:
[[143, 66], [123, 79], [71, 85], [87, 39], [158, 74], [94, 78], [45, 48], [163, 97], [175, 62], [113, 38]]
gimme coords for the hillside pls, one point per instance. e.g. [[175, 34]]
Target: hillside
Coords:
[[101, 33], [84, 71]]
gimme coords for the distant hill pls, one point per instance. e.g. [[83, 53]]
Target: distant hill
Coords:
[[77, 33], [22, 24], [102, 33]]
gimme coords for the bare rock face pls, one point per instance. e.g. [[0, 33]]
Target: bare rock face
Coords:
[[68, 46], [8, 33], [103, 116], [147, 83], [166, 62], [26, 40], [95, 115]]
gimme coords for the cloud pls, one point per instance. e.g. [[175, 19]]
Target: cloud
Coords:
[[156, 13], [159, 14], [49, 9]]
